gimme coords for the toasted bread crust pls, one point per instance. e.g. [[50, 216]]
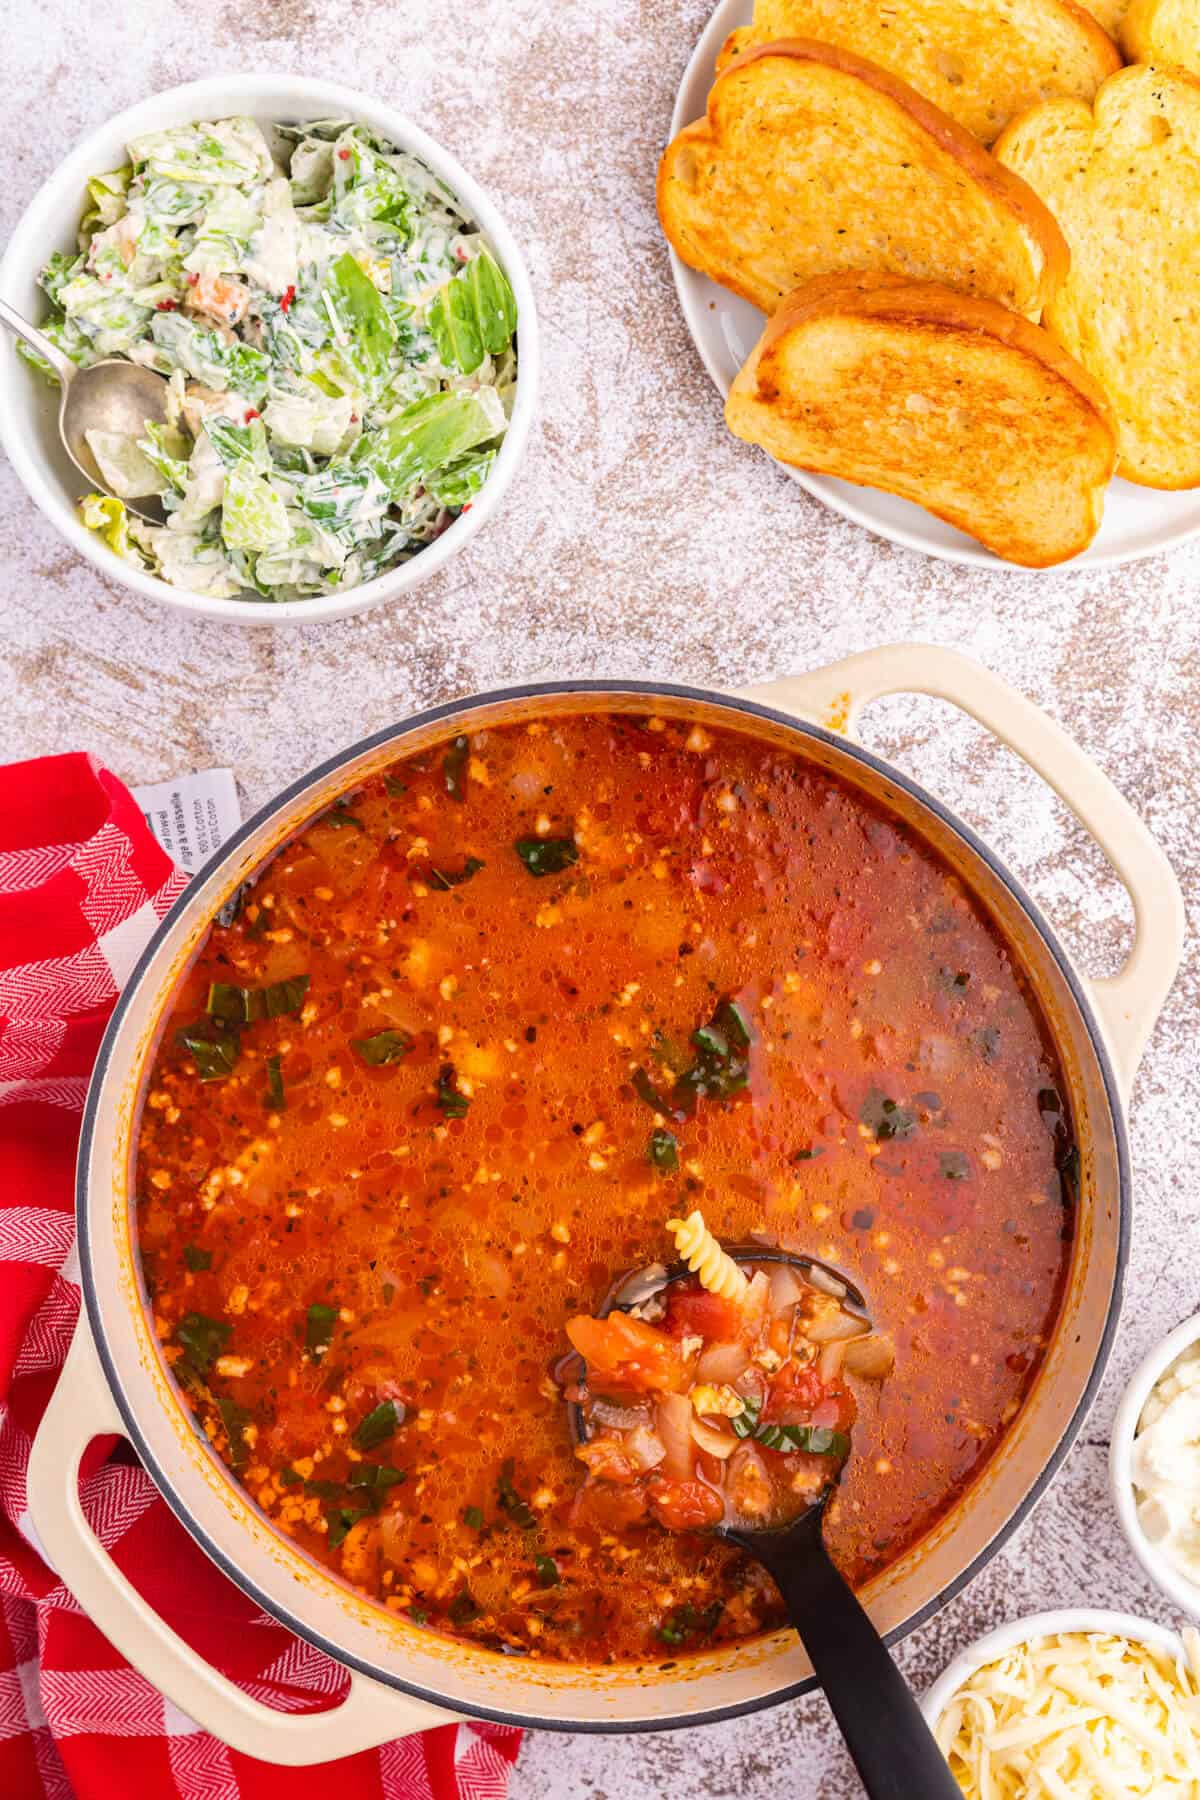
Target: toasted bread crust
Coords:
[[902, 43], [1163, 31], [1006, 191], [897, 298], [1125, 176], [1036, 526]]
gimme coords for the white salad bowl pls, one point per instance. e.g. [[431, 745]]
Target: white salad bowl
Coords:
[[1162, 1572], [29, 406]]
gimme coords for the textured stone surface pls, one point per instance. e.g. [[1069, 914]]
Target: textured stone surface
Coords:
[[639, 539]]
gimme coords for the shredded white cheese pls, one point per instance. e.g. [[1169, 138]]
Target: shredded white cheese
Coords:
[[1078, 1717]]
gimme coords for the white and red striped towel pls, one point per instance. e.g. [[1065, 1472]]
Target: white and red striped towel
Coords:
[[82, 885]]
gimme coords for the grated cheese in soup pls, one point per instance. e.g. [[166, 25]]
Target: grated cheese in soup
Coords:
[[1078, 1717]]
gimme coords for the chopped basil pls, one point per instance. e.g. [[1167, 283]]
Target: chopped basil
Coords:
[[418, 1616], [511, 1503], [288, 1477], [814, 1440], [324, 1490], [986, 1041], [745, 1423], [203, 1340], [453, 1103], [375, 1475], [454, 767], [379, 1425], [722, 1068], [547, 1571], [318, 1328], [646, 1092], [395, 786], [473, 1518], [954, 1165], [215, 1056], [807, 1154], [385, 1048], [341, 1523], [197, 1259], [663, 1151], [339, 817], [274, 1098], [235, 1419], [246, 1006], [686, 1623], [547, 856], [462, 1609], [445, 879]]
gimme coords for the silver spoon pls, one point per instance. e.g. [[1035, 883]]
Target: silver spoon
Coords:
[[113, 395], [894, 1751]]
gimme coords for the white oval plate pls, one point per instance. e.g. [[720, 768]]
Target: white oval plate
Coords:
[[1138, 521]]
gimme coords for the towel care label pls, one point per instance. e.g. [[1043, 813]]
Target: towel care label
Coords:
[[193, 815]]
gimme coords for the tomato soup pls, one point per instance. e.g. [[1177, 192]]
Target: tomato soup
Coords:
[[447, 1067]]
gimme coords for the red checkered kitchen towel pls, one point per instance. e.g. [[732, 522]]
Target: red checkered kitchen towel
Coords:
[[82, 885]]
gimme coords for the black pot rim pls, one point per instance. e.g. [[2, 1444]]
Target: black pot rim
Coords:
[[447, 711]]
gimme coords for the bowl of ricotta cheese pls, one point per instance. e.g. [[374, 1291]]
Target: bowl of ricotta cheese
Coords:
[[1154, 1463]]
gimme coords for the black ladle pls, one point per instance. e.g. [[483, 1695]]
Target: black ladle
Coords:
[[893, 1748]]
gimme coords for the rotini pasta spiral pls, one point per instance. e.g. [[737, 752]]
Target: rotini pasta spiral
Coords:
[[717, 1271]]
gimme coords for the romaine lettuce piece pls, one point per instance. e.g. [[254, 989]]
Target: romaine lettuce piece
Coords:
[[460, 481], [224, 233], [226, 153], [59, 270], [167, 448], [240, 444], [253, 515], [363, 325], [428, 435], [317, 422], [108, 519], [207, 356], [474, 315], [108, 194], [126, 470]]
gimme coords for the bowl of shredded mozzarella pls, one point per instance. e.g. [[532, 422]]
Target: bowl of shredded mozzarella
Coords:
[[345, 325], [1076, 1705]]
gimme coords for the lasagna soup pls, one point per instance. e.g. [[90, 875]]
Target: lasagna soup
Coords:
[[443, 1070]]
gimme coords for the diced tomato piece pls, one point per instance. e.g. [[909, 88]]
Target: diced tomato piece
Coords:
[[792, 1395], [693, 1313], [609, 1508], [628, 1354], [684, 1505]]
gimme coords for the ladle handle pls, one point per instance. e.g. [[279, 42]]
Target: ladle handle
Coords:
[[893, 1748], [20, 327]]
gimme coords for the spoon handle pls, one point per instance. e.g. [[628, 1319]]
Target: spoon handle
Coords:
[[893, 1748], [62, 365]]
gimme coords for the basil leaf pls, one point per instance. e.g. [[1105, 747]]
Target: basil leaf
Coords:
[[444, 879], [341, 1523], [235, 1419], [451, 1102], [246, 1006], [375, 1475], [287, 1477], [379, 1425], [547, 1571], [318, 1328], [203, 1340], [473, 1518], [215, 1057], [663, 1151], [384, 1048], [274, 1098], [454, 765], [547, 856], [511, 1503], [197, 1259], [463, 1608]]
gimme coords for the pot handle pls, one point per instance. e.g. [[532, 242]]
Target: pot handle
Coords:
[[82, 1408], [1128, 1003]]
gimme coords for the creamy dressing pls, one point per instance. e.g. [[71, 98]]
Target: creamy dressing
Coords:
[[1166, 1465]]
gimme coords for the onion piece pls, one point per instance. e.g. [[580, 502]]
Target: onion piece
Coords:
[[718, 1443], [830, 1365], [674, 1418], [835, 1328], [722, 1363], [620, 1418], [871, 1358], [787, 1287], [644, 1448]]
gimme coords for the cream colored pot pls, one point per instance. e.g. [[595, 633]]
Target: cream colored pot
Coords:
[[402, 1678]]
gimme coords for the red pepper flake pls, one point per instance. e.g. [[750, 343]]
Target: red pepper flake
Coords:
[[286, 299], [354, 418], [252, 413], [167, 306], [468, 506], [344, 155], [193, 278]]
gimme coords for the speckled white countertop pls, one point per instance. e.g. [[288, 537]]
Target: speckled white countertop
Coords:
[[639, 540]]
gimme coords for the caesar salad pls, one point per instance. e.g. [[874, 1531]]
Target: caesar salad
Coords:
[[340, 345]]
